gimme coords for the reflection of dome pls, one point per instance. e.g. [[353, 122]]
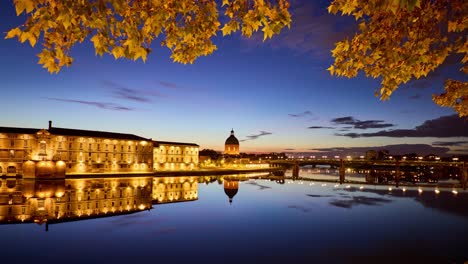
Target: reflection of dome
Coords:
[[231, 188]]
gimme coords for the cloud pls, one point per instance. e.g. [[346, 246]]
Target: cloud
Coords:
[[358, 124], [442, 127], [102, 105], [396, 149], [320, 127], [168, 85], [253, 137], [415, 97], [289, 149], [136, 95], [306, 113], [449, 143]]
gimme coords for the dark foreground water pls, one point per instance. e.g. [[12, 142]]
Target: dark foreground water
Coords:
[[267, 222]]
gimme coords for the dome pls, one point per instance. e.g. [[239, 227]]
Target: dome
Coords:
[[232, 140]]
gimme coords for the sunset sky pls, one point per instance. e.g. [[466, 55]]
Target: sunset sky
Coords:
[[276, 95]]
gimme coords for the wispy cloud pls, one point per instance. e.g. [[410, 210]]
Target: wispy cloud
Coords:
[[397, 149], [305, 113], [415, 97], [442, 127], [320, 127], [289, 149], [136, 95], [358, 124], [168, 84], [253, 137], [102, 105], [449, 143]]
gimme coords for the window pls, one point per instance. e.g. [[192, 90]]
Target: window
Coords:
[[42, 147], [107, 147], [121, 148], [128, 148], [60, 144], [69, 145], [23, 210], [25, 143], [98, 147], [12, 143], [89, 146]]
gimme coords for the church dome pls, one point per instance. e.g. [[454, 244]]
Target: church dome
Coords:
[[232, 140]]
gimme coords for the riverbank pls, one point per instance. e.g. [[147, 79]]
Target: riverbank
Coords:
[[214, 172]]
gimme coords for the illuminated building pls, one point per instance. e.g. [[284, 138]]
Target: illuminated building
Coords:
[[54, 152], [175, 189], [175, 155], [231, 146]]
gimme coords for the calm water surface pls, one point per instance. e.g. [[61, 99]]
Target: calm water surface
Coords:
[[294, 222]]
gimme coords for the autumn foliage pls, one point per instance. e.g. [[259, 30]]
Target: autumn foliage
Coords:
[[402, 40], [127, 28]]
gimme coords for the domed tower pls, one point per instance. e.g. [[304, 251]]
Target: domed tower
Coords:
[[231, 147], [230, 188]]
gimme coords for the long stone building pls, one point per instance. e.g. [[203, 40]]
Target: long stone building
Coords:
[[175, 155], [55, 151]]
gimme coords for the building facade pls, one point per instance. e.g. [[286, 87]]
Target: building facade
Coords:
[[54, 152], [175, 155], [231, 146]]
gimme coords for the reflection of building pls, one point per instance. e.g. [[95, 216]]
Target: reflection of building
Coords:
[[34, 200], [231, 186], [55, 151], [175, 155], [175, 189], [231, 146]]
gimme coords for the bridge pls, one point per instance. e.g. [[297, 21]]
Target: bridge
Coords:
[[460, 168]]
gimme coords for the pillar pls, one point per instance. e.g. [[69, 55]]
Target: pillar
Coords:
[[342, 171], [296, 170], [397, 173], [464, 175]]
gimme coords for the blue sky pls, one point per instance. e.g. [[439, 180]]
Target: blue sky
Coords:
[[279, 86]]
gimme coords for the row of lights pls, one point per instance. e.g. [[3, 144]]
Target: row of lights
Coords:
[[420, 190]]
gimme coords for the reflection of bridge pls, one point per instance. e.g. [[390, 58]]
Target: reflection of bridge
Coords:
[[460, 168]]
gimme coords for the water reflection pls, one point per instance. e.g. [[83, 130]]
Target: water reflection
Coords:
[[404, 174], [51, 201]]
